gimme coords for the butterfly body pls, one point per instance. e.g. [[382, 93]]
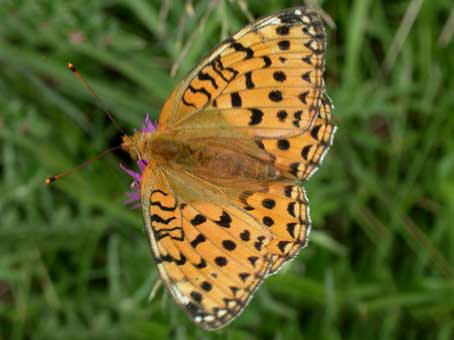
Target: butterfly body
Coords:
[[220, 189], [219, 160]]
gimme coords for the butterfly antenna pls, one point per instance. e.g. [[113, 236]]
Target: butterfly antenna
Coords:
[[100, 103], [52, 179]]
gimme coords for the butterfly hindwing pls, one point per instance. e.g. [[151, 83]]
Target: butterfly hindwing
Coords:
[[282, 208], [210, 256]]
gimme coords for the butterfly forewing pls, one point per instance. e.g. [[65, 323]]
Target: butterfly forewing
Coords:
[[269, 69]]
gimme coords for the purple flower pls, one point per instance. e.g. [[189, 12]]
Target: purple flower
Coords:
[[149, 126], [134, 195]]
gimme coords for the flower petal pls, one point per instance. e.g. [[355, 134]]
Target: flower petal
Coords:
[[149, 126], [134, 196], [133, 174]]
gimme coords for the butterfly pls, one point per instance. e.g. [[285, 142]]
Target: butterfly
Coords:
[[220, 173]]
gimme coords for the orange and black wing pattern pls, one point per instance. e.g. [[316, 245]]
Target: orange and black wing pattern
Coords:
[[211, 255], [265, 81], [262, 90]]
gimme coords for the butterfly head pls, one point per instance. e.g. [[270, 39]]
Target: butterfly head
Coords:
[[136, 144]]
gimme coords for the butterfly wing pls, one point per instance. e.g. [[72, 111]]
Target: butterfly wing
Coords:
[[210, 254], [264, 81], [300, 156], [282, 209]]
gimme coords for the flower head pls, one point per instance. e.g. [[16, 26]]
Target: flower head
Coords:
[[148, 126], [134, 195]]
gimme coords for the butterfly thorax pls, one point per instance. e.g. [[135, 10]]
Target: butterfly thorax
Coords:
[[209, 158]]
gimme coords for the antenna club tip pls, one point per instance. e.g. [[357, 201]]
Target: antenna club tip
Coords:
[[71, 67], [49, 180]]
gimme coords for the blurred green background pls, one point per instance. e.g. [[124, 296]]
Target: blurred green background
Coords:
[[74, 262]]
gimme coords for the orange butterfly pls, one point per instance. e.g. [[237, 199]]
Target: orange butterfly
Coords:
[[220, 173]]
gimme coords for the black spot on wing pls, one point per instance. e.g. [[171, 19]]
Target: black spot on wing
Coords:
[[307, 59], [267, 61], [282, 115], [181, 261], [239, 47], [234, 290], [291, 229], [244, 276], [275, 96], [284, 45], [236, 99], [256, 116], [245, 235], [249, 83], [268, 221], [206, 286], [297, 116], [268, 203], [283, 144], [196, 296], [294, 168], [279, 76], [302, 96], [314, 131], [229, 245], [291, 209], [198, 219], [199, 239], [224, 220], [305, 151], [307, 76], [288, 191], [282, 244], [259, 243], [201, 265], [221, 261], [283, 30], [252, 260]]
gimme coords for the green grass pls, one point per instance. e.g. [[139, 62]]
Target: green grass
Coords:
[[74, 263]]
